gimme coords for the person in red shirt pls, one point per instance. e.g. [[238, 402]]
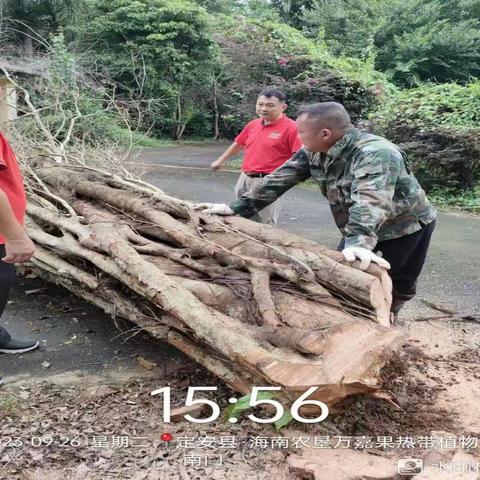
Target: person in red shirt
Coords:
[[15, 246], [268, 142]]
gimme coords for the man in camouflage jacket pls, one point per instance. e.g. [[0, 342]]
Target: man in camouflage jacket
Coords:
[[376, 201]]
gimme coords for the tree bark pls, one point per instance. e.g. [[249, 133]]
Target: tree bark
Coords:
[[253, 304]]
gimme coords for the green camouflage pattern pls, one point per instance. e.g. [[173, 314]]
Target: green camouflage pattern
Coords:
[[366, 179]]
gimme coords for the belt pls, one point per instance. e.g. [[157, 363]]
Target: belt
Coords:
[[255, 174]]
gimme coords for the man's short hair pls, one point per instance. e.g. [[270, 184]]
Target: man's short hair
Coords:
[[273, 92], [330, 114]]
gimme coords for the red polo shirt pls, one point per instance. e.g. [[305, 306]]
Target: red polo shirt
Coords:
[[267, 147], [11, 181]]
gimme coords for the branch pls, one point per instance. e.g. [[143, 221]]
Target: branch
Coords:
[[263, 296], [53, 142]]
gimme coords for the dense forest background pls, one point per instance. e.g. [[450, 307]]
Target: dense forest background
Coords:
[[140, 70]]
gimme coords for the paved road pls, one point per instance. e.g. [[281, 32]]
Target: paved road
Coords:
[[78, 337], [451, 276]]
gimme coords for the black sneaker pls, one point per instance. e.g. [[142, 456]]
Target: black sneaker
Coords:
[[17, 346]]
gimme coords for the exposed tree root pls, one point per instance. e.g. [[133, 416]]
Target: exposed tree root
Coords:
[[253, 304]]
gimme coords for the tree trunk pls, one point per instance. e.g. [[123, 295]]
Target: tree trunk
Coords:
[[216, 113], [254, 304], [28, 46], [179, 125]]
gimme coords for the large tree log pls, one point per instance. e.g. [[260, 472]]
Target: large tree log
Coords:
[[253, 304]]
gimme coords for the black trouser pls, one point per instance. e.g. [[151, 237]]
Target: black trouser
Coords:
[[7, 275], [406, 256]]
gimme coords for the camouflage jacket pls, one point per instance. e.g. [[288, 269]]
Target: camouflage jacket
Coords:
[[372, 193]]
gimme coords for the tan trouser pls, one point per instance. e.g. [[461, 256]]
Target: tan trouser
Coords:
[[269, 215]]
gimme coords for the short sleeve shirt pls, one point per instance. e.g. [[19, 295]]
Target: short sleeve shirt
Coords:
[[11, 181], [267, 147]]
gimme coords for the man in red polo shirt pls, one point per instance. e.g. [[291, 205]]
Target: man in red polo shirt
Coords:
[[15, 246], [268, 142]]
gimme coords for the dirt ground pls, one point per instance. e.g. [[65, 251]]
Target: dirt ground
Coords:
[[83, 424], [81, 406]]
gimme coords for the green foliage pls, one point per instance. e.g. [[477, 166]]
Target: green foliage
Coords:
[[426, 40], [225, 7], [347, 27], [286, 42], [292, 11], [73, 108], [451, 198], [62, 67], [9, 405], [412, 40], [284, 420], [29, 22], [261, 10], [243, 404], [157, 50], [451, 106], [438, 126], [195, 67], [69, 93], [41, 14], [256, 54], [172, 34]]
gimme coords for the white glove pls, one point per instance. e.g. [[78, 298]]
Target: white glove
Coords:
[[214, 208], [365, 256]]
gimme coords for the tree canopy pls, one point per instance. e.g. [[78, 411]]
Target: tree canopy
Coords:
[[194, 67]]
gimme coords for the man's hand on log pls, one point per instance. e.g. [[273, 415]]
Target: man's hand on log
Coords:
[[18, 248], [365, 256], [214, 208]]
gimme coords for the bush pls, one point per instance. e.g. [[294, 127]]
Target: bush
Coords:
[[438, 126], [429, 40], [156, 51], [450, 198], [76, 113], [258, 54]]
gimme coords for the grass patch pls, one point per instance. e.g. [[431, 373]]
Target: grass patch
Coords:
[[443, 199], [234, 164], [450, 199], [310, 183], [139, 140], [8, 405]]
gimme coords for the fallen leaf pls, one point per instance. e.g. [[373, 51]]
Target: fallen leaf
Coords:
[[146, 363], [36, 455], [177, 414]]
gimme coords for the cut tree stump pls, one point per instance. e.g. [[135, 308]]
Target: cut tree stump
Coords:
[[253, 304]]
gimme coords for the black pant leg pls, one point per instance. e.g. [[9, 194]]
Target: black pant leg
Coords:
[[7, 275], [406, 256]]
